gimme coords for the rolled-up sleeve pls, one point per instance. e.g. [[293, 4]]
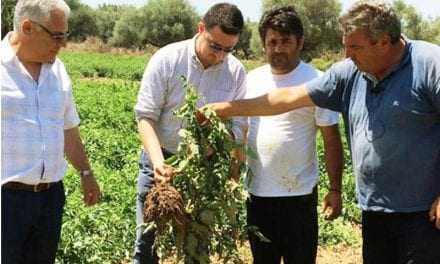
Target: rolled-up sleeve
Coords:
[[152, 91], [239, 124]]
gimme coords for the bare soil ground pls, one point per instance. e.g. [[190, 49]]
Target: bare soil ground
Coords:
[[338, 254], [326, 255]]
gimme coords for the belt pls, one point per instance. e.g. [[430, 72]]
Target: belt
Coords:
[[44, 186]]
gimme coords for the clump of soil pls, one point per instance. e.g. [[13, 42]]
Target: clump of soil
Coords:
[[163, 204]]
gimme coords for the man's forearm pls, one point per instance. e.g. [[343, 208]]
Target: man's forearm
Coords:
[[334, 158], [150, 141], [275, 102], [74, 149]]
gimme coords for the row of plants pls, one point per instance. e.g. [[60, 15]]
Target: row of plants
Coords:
[[102, 65]]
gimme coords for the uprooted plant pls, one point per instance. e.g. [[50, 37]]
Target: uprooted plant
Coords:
[[200, 213]]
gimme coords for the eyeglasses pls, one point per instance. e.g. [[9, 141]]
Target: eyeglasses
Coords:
[[57, 36], [217, 48]]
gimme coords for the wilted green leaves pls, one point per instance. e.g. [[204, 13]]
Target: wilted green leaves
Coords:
[[212, 200]]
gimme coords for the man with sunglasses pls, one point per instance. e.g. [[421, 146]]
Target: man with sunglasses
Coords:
[[39, 126], [206, 62]]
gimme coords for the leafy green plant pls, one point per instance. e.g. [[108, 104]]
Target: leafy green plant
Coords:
[[210, 222]]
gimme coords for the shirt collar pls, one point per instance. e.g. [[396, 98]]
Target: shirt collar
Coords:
[[192, 48], [406, 55]]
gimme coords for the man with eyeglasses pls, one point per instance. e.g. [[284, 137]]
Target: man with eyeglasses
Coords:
[[206, 62], [39, 126]]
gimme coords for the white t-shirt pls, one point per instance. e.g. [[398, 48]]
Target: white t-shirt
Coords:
[[285, 144]]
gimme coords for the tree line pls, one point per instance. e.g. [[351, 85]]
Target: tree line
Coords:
[[160, 22]]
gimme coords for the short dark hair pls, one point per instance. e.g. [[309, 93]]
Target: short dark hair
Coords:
[[282, 19], [227, 16]]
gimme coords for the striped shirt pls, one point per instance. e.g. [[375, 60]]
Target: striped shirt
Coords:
[[34, 116], [162, 90]]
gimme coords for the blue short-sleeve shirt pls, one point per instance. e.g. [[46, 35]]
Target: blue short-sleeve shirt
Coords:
[[393, 128]]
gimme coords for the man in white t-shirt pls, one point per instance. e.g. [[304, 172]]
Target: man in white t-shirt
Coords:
[[283, 178]]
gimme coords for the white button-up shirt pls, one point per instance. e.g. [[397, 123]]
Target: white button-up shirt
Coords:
[[162, 90], [34, 117]]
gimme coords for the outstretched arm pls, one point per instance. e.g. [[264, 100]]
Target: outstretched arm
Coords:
[[273, 103]]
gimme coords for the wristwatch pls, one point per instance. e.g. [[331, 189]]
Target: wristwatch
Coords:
[[85, 173]]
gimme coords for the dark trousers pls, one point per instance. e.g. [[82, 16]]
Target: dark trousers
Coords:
[[143, 248], [290, 223], [31, 225], [400, 238]]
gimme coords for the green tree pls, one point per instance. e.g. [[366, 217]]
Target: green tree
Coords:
[[168, 21], [73, 4], [243, 48], [414, 25], [320, 20], [158, 23], [7, 16], [126, 30], [412, 21], [255, 42], [82, 21], [106, 17], [435, 26]]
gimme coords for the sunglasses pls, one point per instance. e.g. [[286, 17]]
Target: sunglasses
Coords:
[[57, 36], [217, 48]]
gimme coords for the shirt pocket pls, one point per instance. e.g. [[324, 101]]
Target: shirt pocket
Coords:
[[16, 105], [406, 116], [52, 107]]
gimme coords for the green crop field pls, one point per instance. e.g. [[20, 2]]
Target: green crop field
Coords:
[[105, 88]]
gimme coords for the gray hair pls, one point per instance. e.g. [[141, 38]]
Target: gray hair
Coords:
[[375, 17], [37, 10]]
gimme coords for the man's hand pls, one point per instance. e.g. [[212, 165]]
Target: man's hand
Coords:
[[332, 205], [235, 170], [90, 188], [163, 173], [434, 213], [201, 118]]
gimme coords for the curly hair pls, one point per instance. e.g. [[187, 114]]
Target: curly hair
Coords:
[[283, 19], [375, 17]]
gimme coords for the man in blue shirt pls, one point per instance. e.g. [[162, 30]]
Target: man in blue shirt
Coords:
[[388, 90]]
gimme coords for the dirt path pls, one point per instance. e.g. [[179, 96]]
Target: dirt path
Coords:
[[339, 255]]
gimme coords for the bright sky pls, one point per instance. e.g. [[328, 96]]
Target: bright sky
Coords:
[[252, 8]]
